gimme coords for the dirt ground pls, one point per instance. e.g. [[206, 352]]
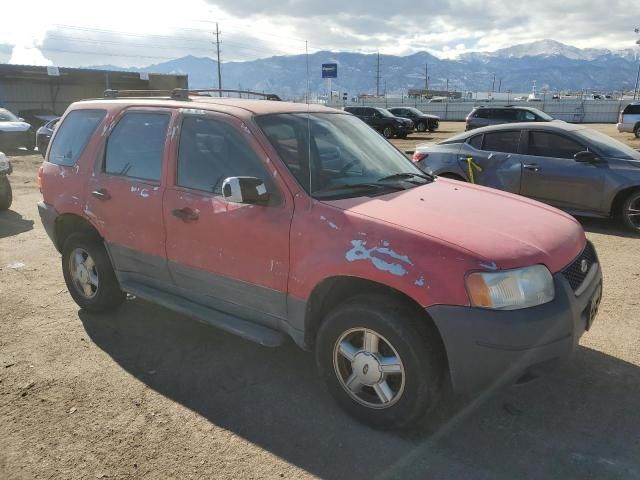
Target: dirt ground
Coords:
[[146, 393]]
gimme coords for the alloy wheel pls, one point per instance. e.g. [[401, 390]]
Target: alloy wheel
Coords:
[[369, 368], [84, 273]]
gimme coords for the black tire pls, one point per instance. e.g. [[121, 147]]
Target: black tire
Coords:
[[6, 195], [388, 132], [410, 335], [42, 149], [107, 295], [636, 131], [421, 127], [631, 211], [403, 135], [433, 127]]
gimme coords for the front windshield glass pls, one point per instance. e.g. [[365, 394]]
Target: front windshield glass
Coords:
[[606, 145], [415, 110], [338, 155], [541, 114], [384, 112], [7, 116]]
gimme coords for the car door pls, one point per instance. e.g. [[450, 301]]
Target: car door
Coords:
[[493, 159], [125, 194], [551, 174], [229, 256]]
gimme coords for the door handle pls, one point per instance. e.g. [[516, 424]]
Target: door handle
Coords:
[[101, 194], [531, 166], [186, 214]]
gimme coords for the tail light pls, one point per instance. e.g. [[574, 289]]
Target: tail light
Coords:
[[40, 171], [419, 156]]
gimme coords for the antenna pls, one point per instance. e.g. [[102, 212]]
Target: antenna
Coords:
[[306, 49]]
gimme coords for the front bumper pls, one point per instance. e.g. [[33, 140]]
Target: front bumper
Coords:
[[486, 348], [17, 139]]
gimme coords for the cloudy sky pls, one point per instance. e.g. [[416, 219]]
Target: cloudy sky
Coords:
[[127, 33]]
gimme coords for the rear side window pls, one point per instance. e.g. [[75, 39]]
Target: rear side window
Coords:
[[504, 142], [505, 114], [480, 113], [476, 142], [73, 134], [211, 150], [632, 110], [544, 144], [136, 146]]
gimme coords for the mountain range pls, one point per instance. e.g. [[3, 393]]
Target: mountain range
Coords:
[[553, 65]]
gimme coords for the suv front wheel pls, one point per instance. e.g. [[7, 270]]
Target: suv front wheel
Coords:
[[388, 132], [380, 361], [89, 275]]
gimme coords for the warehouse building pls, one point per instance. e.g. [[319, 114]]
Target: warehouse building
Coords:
[[25, 87]]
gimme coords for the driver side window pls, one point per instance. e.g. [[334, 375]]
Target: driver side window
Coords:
[[212, 150]]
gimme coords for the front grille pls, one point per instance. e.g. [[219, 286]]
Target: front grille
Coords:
[[573, 273]]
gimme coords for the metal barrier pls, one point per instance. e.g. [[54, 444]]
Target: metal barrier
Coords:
[[575, 111]]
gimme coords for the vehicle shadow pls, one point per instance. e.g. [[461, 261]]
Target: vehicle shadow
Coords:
[[582, 421], [12, 223], [606, 226]]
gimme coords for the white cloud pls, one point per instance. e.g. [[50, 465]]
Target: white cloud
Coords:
[[28, 55]]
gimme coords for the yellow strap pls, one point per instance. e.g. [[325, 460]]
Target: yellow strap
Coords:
[[471, 165]]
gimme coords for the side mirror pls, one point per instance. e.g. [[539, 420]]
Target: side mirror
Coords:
[[245, 190], [585, 156]]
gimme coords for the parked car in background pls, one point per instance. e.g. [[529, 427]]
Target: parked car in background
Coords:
[[43, 135], [383, 121], [15, 132], [629, 119], [37, 117], [6, 196], [245, 219], [571, 167], [422, 121], [485, 116]]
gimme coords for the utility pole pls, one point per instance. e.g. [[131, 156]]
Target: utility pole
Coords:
[[378, 77], [218, 50], [493, 85], [499, 85], [426, 77]]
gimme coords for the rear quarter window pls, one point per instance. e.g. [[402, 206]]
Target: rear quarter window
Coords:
[[632, 110], [73, 134]]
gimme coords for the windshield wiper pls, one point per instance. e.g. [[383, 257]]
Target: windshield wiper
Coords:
[[359, 186], [399, 176]]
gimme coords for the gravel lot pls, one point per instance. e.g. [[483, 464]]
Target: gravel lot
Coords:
[[146, 393]]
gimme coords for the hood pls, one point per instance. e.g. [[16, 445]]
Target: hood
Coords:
[[500, 229], [405, 121], [14, 126]]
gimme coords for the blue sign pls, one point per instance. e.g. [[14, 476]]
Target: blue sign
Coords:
[[329, 70]]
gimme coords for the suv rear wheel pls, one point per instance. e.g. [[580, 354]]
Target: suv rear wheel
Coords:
[[89, 275], [636, 131], [631, 211], [380, 361], [421, 127]]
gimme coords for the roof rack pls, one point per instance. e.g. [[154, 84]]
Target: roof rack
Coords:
[[184, 93]]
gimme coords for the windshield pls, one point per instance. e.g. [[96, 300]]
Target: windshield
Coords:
[[541, 114], [415, 111], [7, 116], [337, 155], [384, 112], [607, 146]]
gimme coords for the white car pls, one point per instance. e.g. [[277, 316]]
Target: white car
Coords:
[[629, 120], [15, 132]]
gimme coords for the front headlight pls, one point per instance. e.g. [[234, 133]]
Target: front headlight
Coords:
[[511, 289], [4, 163]]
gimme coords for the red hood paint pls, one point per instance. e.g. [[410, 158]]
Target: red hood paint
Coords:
[[503, 230]]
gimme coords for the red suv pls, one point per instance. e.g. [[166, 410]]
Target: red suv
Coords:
[[272, 220]]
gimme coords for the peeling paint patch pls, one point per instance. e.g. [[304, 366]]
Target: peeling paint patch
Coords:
[[419, 282], [360, 252], [330, 223], [489, 266]]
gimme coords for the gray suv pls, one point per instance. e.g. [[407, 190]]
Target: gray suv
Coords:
[[485, 116], [571, 167], [629, 120]]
